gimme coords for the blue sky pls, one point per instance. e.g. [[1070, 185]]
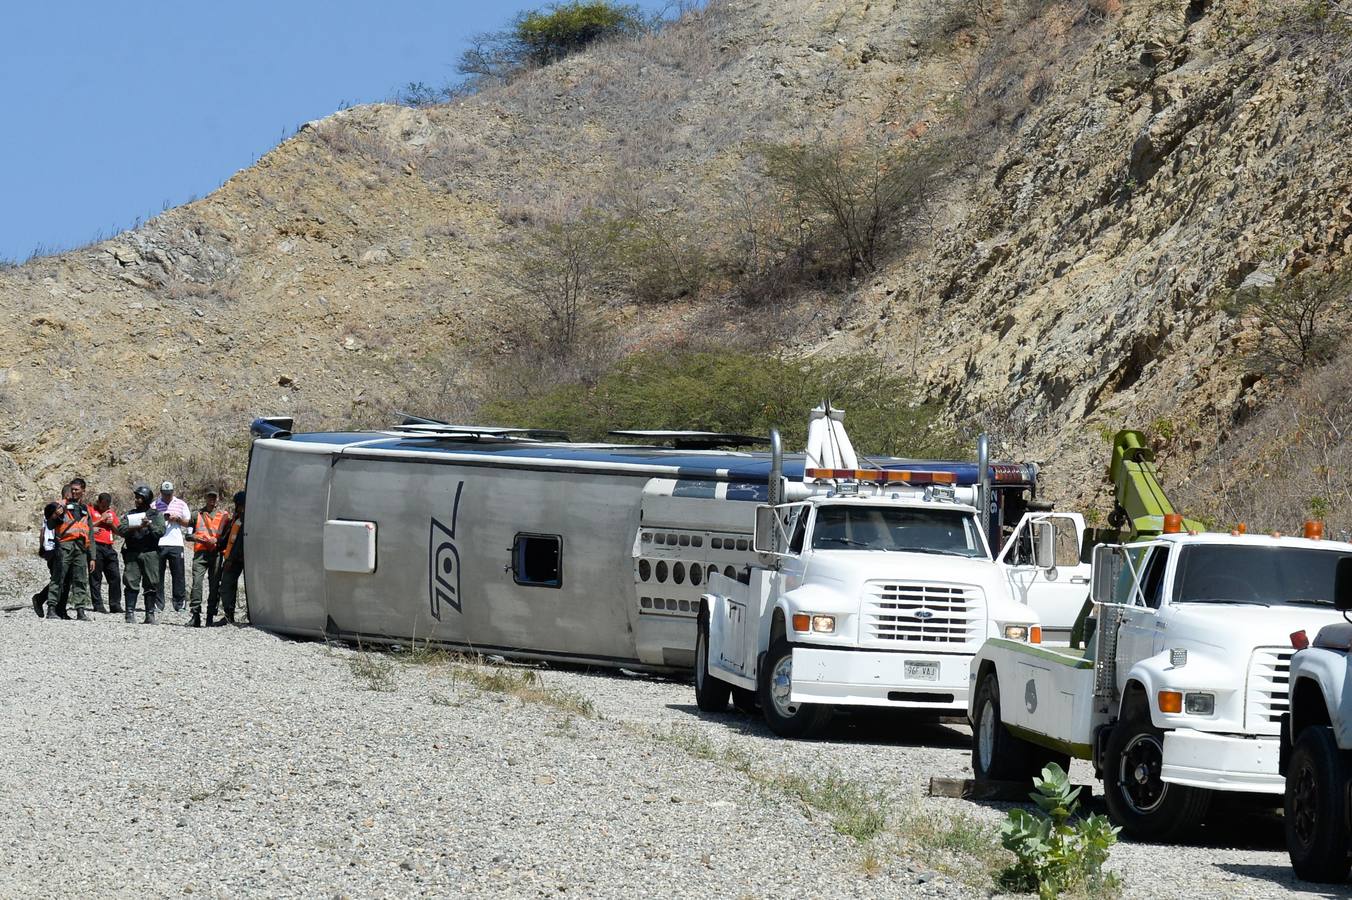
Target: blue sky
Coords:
[[114, 111]]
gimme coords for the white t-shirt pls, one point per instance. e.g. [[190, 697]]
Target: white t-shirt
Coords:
[[173, 532]]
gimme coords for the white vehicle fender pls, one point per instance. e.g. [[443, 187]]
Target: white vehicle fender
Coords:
[[1318, 677], [1200, 673], [815, 597]]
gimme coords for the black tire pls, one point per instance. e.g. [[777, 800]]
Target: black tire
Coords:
[[744, 701], [1146, 807], [997, 754], [784, 718], [711, 693], [1317, 834]]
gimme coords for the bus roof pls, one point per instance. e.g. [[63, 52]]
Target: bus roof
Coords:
[[752, 467]]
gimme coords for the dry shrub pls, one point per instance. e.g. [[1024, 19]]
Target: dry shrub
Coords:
[[1290, 462], [1302, 319], [347, 138], [219, 461], [184, 292]]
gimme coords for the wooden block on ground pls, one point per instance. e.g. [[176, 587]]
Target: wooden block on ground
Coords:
[[1006, 791]]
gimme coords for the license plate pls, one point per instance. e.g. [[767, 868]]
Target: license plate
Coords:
[[922, 671]]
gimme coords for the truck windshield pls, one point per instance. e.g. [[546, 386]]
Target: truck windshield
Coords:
[[1226, 573], [944, 531]]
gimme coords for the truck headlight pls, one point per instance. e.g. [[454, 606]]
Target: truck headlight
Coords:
[[1199, 704], [1030, 633], [813, 622]]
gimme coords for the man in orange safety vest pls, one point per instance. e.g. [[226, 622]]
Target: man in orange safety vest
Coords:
[[208, 534]]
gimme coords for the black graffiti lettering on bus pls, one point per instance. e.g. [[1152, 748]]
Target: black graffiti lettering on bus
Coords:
[[443, 583]]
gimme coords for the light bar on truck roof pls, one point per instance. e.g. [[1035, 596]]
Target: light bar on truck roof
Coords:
[[882, 476]]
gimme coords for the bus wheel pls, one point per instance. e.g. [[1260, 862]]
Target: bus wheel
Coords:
[[786, 718], [1316, 807], [1141, 802], [711, 693]]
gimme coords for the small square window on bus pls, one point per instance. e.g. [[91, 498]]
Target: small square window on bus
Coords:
[[537, 559]]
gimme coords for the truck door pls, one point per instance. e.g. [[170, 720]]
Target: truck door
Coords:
[[1055, 594], [1138, 633]]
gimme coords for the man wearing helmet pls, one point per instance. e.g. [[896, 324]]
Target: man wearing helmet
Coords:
[[141, 530]]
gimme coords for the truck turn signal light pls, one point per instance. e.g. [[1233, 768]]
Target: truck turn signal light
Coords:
[[1171, 702]]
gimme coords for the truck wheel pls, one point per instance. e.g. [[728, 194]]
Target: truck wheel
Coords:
[[1316, 807], [711, 693], [1145, 806], [997, 754], [744, 700], [785, 718]]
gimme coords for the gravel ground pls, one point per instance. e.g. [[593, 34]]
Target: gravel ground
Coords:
[[227, 762]]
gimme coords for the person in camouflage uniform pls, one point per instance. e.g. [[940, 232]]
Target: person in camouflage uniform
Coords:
[[141, 554], [74, 543]]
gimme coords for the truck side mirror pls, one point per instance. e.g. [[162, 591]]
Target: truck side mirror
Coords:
[[767, 526], [1342, 584], [1044, 545], [1107, 569]]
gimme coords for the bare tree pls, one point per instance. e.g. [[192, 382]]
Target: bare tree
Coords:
[[857, 192], [1302, 318], [558, 271]]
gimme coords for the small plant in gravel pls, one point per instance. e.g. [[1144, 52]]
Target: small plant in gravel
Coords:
[[855, 811], [960, 846], [373, 668], [1053, 854]]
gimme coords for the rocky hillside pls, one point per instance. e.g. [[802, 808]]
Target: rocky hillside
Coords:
[[1123, 169]]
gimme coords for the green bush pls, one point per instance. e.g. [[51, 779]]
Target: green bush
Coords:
[[741, 392], [566, 28], [1052, 854], [543, 36]]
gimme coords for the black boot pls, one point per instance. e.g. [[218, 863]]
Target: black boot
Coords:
[[131, 615], [114, 607], [100, 608], [51, 613], [40, 603], [196, 620], [150, 618], [82, 615]]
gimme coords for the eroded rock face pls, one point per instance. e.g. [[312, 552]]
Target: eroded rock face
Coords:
[[1156, 160], [1082, 292]]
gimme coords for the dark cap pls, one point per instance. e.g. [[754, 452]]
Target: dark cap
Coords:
[[211, 492], [239, 497]]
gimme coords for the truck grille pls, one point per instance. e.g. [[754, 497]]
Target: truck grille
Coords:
[[1266, 693], [933, 616]]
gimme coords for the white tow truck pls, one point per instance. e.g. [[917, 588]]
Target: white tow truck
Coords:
[[874, 588], [1182, 686], [1317, 747]]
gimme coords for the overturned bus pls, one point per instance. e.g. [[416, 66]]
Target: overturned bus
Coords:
[[520, 543]]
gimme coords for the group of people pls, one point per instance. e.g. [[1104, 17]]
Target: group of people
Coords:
[[77, 542]]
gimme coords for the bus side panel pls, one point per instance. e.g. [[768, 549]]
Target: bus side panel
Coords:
[[283, 539], [444, 538]]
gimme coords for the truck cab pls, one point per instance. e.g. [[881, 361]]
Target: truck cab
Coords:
[[1182, 688], [1316, 757], [862, 598]]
